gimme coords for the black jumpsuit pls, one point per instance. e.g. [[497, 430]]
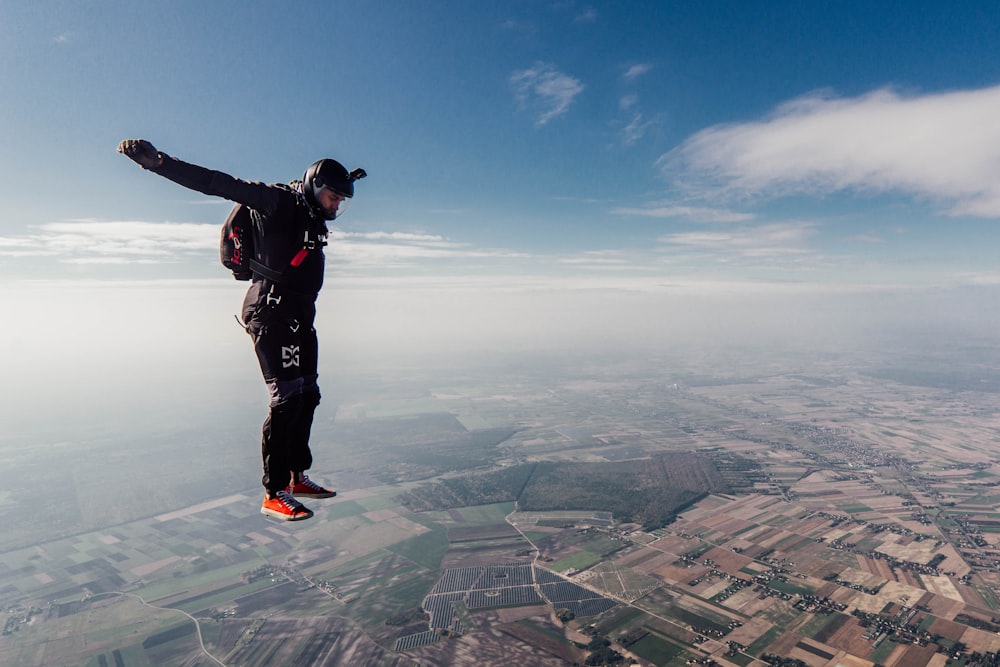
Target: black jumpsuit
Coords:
[[278, 313]]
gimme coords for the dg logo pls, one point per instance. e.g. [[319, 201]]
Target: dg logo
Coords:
[[290, 356]]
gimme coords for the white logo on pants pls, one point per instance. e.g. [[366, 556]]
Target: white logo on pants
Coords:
[[289, 356]]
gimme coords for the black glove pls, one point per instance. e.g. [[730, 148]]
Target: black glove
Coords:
[[141, 152]]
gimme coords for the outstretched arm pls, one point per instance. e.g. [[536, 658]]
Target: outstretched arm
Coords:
[[258, 196]]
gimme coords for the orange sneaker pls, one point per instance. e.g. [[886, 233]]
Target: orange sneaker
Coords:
[[306, 488], [283, 506]]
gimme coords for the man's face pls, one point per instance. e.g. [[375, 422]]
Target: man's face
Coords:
[[330, 201]]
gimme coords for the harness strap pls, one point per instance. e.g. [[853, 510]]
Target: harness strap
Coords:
[[265, 271]]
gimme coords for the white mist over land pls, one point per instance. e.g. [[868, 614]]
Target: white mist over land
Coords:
[[113, 356]]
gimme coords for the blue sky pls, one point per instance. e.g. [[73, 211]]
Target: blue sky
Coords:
[[540, 161], [766, 134]]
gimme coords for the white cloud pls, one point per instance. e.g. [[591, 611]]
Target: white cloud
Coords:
[[635, 130], [401, 249], [867, 238], [635, 71], [174, 234], [697, 213], [134, 242], [988, 278], [95, 242], [360, 254], [404, 237], [545, 90], [770, 240], [944, 147], [633, 123], [598, 259], [519, 26], [17, 243]]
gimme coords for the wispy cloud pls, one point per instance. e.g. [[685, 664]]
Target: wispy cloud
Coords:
[[867, 238], [520, 27], [696, 213], [95, 242], [545, 90], [724, 250], [635, 129], [598, 259], [637, 70], [770, 240], [124, 242], [402, 237], [943, 147], [400, 249], [634, 125]]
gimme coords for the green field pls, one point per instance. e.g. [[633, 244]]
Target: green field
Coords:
[[342, 510], [578, 561], [485, 514], [426, 550], [789, 587], [656, 649], [760, 644]]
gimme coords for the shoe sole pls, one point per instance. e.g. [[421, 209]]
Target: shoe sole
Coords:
[[315, 496], [287, 517]]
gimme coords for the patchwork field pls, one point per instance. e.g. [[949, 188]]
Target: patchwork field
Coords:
[[850, 521]]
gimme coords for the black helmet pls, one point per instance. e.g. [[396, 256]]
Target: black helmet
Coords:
[[327, 173]]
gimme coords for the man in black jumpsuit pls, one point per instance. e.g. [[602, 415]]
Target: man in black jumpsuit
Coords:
[[289, 231]]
